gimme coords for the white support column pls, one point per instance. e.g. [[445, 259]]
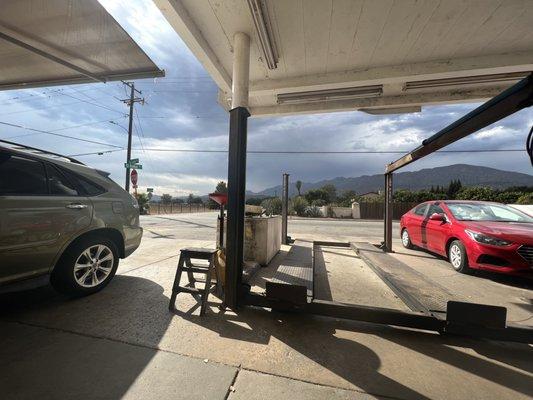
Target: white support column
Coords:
[[241, 70]]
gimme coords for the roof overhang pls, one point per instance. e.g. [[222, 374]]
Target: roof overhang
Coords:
[[415, 53], [60, 42]]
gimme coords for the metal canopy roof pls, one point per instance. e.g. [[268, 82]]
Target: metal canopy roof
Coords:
[[58, 42], [372, 55]]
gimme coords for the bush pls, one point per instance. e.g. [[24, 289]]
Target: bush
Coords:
[[476, 193], [313, 212], [525, 199], [299, 204], [272, 206], [318, 203], [507, 197]]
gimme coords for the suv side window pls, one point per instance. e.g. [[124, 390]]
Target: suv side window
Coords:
[[21, 176], [59, 184], [89, 188], [420, 210]]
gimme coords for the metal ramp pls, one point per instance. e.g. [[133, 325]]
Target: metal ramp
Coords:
[[293, 281], [417, 291]]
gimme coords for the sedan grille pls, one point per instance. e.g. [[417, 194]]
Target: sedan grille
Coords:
[[527, 253]]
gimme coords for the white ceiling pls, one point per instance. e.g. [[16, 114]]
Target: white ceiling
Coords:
[[326, 44]]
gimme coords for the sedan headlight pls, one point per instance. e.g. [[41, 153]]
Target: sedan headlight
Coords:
[[484, 239]]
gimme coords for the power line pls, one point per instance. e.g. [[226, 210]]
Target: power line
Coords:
[[47, 107], [63, 129], [91, 103], [95, 152], [57, 134], [329, 152]]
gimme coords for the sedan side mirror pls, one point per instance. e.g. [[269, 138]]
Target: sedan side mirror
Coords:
[[437, 217]]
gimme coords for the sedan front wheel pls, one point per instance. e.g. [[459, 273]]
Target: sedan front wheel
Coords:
[[457, 257]]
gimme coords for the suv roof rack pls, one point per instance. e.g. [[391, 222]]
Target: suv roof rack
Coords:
[[39, 152]]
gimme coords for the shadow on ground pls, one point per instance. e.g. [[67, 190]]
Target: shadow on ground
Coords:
[[49, 364], [124, 315]]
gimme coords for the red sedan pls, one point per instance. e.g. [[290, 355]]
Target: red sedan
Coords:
[[472, 234]]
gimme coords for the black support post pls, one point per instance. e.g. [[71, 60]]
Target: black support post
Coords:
[[387, 245], [235, 208]]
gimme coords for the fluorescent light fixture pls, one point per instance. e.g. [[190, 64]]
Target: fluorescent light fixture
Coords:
[[391, 110], [507, 78], [263, 27], [330, 95]]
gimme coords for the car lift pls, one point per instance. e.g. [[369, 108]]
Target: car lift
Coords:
[[461, 318]]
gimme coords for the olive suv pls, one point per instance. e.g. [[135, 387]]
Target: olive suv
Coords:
[[61, 222]]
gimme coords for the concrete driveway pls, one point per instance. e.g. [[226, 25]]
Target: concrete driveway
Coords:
[[124, 343]]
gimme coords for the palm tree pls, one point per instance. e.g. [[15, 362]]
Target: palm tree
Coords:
[[299, 187]]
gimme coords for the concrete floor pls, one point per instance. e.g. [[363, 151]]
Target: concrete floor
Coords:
[[123, 342]]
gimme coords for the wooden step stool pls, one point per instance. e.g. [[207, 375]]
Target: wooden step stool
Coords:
[[185, 264]]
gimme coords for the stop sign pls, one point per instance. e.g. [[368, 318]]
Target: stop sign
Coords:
[[133, 176]]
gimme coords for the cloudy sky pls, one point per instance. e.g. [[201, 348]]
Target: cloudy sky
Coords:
[[182, 113]]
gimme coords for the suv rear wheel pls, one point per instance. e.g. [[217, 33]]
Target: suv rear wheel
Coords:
[[86, 267]]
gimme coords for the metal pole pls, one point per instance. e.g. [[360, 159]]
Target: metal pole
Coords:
[[387, 245], [130, 126], [284, 208], [237, 170]]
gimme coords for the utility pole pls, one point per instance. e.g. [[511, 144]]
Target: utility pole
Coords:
[[130, 102]]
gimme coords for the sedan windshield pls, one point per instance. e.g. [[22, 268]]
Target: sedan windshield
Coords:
[[487, 212]]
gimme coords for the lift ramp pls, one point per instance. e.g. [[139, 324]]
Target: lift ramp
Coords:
[[293, 281], [417, 291]]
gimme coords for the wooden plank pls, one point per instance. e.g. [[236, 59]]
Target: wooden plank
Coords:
[[417, 291]]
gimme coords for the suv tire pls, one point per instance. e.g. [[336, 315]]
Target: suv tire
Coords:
[[86, 266]]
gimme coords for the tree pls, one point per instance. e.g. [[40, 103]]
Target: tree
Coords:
[[453, 188], [299, 187], [254, 201], [300, 204], [346, 198], [192, 199], [331, 190], [327, 194], [166, 198], [221, 187], [143, 200]]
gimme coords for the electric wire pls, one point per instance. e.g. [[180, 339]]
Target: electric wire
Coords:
[[57, 134], [326, 152]]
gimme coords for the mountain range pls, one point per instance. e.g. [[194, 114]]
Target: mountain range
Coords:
[[469, 175]]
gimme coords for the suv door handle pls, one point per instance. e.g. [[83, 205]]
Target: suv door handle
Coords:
[[76, 206]]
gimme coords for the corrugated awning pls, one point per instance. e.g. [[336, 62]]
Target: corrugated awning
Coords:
[[59, 42]]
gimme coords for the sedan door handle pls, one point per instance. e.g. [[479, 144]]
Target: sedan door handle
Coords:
[[76, 206]]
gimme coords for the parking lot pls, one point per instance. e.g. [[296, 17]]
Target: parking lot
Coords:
[[124, 343]]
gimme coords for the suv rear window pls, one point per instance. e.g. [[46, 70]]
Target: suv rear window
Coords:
[[88, 188], [21, 176], [59, 184]]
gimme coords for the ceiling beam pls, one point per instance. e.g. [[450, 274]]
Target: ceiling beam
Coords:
[[418, 99], [460, 67], [178, 17]]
